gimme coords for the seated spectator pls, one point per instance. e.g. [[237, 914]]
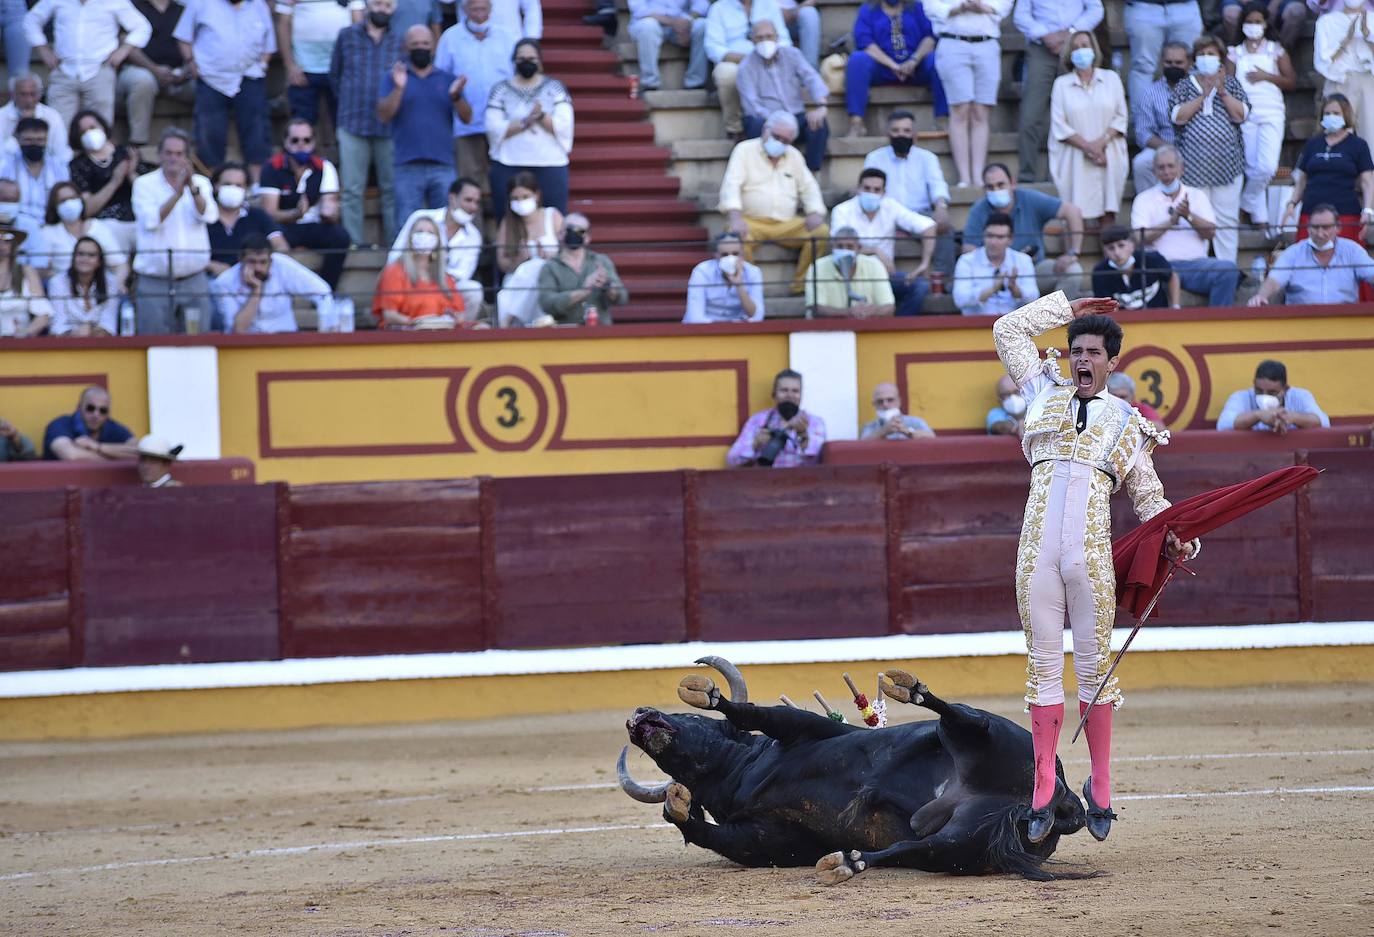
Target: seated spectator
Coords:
[[460, 230], [1207, 109], [306, 33], [104, 173], [877, 219], [1148, 27], [995, 278], [890, 422], [528, 236], [1265, 72], [1030, 211], [969, 63], [173, 206], [415, 291], [90, 434], [1322, 268], [777, 78], [256, 295], [85, 297], [1287, 19], [299, 189], [237, 220], [1343, 54], [32, 167], [1271, 405], [728, 28], [1087, 143], [64, 226], [783, 436], [480, 52], [726, 288], [156, 70], [1176, 220], [519, 18], [90, 42], [24, 312], [364, 53], [14, 220], [915, 180], [1006, 418], [529, 120], [1335, 168], [155, 459], [14, 445], [804, 26], [847, 283], [1136, 277], [894, 44], [1047, 26], [579, 279], [227, 48], [682, 22], [26, 100], [762, 186], [1150, 114], [1120, 384]]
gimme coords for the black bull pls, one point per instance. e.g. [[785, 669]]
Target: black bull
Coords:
[[946, 795]]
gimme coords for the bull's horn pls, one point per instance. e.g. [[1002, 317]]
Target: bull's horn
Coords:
[[739, 692], [644, 793]]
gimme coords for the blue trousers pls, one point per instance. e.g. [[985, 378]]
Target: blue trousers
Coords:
[[305, 102], [420, 185], [1209, 276], [211, 121], [863, 72], [17, 51], [811, 143], [910, 296], [553, 186]]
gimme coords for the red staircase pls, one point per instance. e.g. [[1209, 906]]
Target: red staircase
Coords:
[[619, 176]]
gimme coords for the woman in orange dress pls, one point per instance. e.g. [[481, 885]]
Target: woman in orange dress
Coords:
[[416, 291]]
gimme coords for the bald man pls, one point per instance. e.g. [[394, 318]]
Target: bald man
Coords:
[[891, 423], [1005, 418]]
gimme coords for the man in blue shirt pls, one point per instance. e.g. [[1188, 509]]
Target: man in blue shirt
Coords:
[[1030, 211], [1271, 405], [479, 50], [1321, 268], [89, 434]]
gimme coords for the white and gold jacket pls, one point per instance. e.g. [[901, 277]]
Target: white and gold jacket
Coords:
[[1118, 440]]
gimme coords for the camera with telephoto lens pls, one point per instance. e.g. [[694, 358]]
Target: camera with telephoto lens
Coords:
[[778, 436]]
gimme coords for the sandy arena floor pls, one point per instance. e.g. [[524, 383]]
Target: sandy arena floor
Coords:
[[514, 827]]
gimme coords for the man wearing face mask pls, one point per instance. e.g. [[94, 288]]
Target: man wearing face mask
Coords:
[[459, 224], [1030, 212], [891, 424], [26, 100], [1270, 405], [728, 27], [775, 77], [300, 190], [877, 219], [479, 49], [579, 279], [784, 435], [1136, 279], [849, 284], [726, 288], [1005, 418], [31, 167], [915, 179], [1321, 268], [1150, 120], [362, 55]]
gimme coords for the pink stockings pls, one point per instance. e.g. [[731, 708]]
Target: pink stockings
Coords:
[[1046, 721], [1099, 730]]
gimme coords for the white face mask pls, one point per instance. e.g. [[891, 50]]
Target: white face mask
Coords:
[[1332, 123], [424, 241], [767, 48], [1014, 404], [774, 147], [231, 196], [1253, 30], [1208, 64], [1171, 187], [524, 207], [1127, 264], [729, 264], [93, 139], [459, 216], [1353, 4], [1083, 58], [1321, 245], [885, 415], [71, 209]]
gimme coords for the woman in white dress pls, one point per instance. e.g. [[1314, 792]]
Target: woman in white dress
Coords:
[[528, 235], [1264, 70], [24, 311], [66, 222], [1088, 161], [85, 298]]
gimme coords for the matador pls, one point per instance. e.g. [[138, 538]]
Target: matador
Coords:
[[1082, 444]]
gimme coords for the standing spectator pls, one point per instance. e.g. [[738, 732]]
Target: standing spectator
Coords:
[[895, 44], [726, 288], [1088, 160], [1270, 405], [729, 24], [237, 221], [847, 283], [1208, 108], [85, 295], [1265, 73], [255, 296], [915, 180], [482, 52], [527, 236], [1176, 220], [1047, 26], [529, 121], [1030, 211], [362, 56], [1343, 53], [65, 225], [764, 181], [87, 50], [1137, 278], [307, 31], [172, 206], [416, 98], [783, 436], [1149, 25], [104, 173], [26, 100], [579, 279], [24, 311], [1335, 168], [877, 218], [156, 69], [300, 191], [460, 232], [777, 78], [14, 445], [891, 423], [969, 62], [682, 22], [414, 289], [1288, 18], [804, 26], [17, 51], [995, 278], [32, 168], [90, 434], [522, 19], [410, 13], [226, 46], [1122, 385], [1322, 268], [1150, 114]]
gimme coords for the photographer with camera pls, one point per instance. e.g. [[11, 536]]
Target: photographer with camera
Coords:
[[783, 436]]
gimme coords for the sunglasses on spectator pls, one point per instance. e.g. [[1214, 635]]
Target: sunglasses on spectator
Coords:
[[92, 408], [300, 140]]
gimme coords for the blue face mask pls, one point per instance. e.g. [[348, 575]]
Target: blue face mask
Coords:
[[1207, 64], [999, 198], [300, 156], [843, 255], [1171, 187], [1082, 58], [1333, 122], [869, 201], [774, 147]]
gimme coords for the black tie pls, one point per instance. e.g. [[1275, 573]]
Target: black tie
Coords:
[[1082, 422]]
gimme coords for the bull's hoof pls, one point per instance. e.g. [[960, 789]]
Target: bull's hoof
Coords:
[[678, 804], [837, 867], [696, 690], [1099, 818], [903, 687]]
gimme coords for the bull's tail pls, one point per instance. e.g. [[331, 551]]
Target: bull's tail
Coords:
[[1008, 853]]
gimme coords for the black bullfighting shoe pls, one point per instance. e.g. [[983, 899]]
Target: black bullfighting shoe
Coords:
[[1039, 823], [1099, 818]]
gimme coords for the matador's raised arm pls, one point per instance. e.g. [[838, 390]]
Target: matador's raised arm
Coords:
[[1014, 334]]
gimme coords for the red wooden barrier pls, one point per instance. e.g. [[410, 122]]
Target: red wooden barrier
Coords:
[[42, 475], [35, 626], [1338, 536]]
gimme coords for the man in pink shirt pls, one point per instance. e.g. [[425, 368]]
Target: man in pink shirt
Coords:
[[783, 436]]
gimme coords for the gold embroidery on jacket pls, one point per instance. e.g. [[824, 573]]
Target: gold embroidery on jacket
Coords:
[[1097, 556]]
